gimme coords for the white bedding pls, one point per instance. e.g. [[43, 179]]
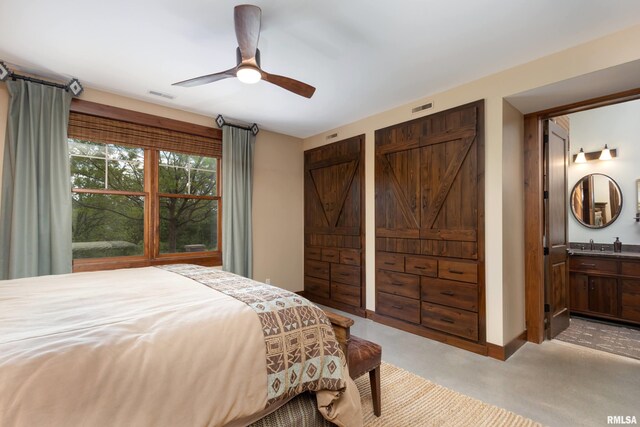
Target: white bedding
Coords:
[[133, 347]]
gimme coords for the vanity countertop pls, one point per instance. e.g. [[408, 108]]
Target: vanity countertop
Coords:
[[605, 254]]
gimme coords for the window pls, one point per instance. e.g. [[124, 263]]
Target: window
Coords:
[[142, 195]]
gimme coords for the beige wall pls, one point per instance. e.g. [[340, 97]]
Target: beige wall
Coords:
[[602, 53], [278, 210], [277, 204], [513, 313]]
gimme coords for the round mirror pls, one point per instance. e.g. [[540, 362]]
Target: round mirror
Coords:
[[596, 200]]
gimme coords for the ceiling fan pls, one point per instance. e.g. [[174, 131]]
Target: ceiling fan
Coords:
[[246, 18]]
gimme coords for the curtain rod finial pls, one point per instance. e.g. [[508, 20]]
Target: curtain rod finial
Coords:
[[4, 72]]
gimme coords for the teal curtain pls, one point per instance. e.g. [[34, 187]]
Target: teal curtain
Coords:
[[237, 188], [35, 210]]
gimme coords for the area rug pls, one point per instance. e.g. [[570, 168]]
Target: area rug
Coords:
[[409, 400], [603, 336]]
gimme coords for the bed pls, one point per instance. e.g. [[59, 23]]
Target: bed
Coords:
[[177, 345]]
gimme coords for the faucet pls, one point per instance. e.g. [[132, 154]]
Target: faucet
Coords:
[[591, 245]]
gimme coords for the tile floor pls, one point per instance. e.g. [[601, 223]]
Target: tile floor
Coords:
[[554, 383]]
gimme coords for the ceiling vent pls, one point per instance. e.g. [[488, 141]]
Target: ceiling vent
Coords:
[[333, 135], [160, 94], [427, 106]]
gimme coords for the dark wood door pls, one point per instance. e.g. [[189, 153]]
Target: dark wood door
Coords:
[[430, 226], [603, 295], [334, 225], [579, 296], [556, 271]]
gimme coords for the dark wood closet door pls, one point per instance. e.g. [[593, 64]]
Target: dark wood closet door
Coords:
[[429, 225], [334, 225]]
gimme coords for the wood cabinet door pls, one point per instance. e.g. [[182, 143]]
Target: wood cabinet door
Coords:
[[603, 295], [579, 292], [428, 185], [334, 221]]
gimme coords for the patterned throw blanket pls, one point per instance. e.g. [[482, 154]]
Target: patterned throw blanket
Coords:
[[301, 348]]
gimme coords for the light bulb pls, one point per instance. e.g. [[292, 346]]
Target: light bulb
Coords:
[[580, 158], [249, 75]]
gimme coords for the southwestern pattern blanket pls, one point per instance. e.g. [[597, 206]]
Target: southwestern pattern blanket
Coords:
[[301, 350]]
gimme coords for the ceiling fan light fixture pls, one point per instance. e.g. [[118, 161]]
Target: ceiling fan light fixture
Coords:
[[249, 75]]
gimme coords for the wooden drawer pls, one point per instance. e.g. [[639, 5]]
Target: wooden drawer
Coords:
[[630, 268], [406, 285], [350, 257], [593, 264], [630, 313], [347, 274], [450, 320], [390, 261], [313, 253], [316, 286], [345, 294], [452, 294], [330, 255], [317, 269], [421, 265], [460, 271], [399, 307]]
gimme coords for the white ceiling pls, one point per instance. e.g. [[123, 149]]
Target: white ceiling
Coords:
[[363, 56]]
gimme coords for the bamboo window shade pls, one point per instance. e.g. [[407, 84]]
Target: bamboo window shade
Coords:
[[111, 131]]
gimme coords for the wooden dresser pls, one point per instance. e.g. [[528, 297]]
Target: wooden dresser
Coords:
[[430, 226], [605, 286], [334, 225]]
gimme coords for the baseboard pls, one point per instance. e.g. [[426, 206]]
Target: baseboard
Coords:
[[503, 353], [301, 293]]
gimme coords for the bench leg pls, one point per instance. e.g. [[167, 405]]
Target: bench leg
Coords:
[[374, 379]]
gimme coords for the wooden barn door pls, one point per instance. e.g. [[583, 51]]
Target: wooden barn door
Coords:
[[334, 225], [429, 226]]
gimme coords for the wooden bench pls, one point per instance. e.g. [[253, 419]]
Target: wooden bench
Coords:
[[362, 356]]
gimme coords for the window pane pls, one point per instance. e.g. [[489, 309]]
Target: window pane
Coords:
[[187, 174], [188, 225], [126, 176], [87, 172], [89, 160], [79, 147], [107, 225]]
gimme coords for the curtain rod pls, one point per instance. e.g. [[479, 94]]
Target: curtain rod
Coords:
[[73, 86], [220, 121]]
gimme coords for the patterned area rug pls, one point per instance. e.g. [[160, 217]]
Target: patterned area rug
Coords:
[[410, 400], [603, 336]]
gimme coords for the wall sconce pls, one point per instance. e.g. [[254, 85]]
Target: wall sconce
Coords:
[[605, 154]]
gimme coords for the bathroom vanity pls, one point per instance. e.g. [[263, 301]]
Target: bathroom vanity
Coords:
[[605, 284]]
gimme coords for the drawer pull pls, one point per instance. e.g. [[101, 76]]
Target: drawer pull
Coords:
[[447, 293], [344, 274], [419, 267], [587, 265], [348, 258], [396, 284], [456, 271], [397, 307], [389, 263], [446, 320]]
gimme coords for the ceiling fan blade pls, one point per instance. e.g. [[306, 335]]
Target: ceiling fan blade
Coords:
[[247, 22], [209, 78], [289, 84]]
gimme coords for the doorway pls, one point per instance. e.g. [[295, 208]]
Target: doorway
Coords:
[[547, 279]]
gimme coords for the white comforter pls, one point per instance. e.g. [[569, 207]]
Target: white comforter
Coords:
[[136, 347]]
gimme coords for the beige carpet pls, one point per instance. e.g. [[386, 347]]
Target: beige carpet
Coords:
[[409, 401]]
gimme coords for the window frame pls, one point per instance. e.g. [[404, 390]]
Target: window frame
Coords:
[[152, 255]]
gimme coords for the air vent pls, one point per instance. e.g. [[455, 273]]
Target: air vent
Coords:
[[427, 106], [333, 135], [160, 94]]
